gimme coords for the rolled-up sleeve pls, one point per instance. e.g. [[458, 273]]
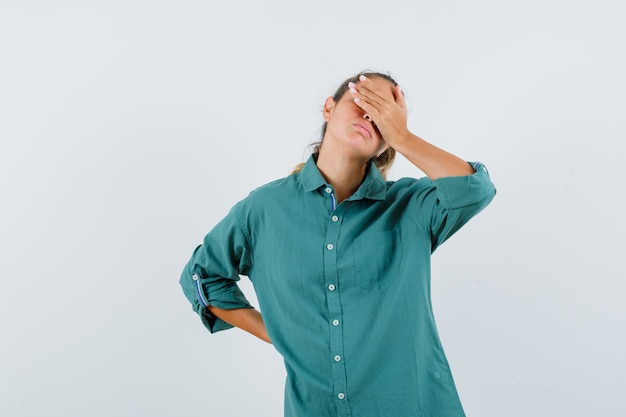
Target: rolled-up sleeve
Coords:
[[453, 201], [210, 277]]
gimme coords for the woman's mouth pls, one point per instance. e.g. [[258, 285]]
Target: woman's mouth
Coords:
[[363, 129]]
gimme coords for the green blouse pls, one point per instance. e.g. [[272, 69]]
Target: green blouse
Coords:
[[344, 289]]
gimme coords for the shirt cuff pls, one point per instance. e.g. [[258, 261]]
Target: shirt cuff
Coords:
[[468, 190]]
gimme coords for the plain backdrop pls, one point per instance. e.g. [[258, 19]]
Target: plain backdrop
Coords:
[[129, 128]]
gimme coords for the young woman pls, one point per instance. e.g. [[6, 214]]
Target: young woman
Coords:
[[340, 263]]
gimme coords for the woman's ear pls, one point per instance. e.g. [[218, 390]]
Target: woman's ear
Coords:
[[329, 106]]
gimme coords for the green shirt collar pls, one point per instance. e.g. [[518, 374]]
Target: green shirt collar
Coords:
[[373, 187]]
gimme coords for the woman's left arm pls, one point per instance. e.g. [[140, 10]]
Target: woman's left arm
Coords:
[[388, 112], [433, 161]]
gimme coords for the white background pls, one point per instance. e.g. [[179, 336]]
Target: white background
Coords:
[[129, 128]]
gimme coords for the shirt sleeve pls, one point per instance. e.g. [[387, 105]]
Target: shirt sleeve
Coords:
[[454, 201], [210, 277]]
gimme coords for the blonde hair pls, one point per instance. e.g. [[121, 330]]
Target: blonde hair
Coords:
[[383, 162]]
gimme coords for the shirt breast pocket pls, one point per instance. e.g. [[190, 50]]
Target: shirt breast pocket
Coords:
[[377, 258]]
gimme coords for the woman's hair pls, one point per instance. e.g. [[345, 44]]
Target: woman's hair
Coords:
[[384, 161]]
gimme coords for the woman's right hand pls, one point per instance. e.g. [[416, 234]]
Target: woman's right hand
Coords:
[[247, 319]]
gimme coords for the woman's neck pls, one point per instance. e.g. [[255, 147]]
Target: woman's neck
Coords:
[[344, 174]]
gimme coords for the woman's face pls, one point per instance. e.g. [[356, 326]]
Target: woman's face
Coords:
[[348, 126]]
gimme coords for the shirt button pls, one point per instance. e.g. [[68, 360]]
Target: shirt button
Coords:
[[341, 395], [330, 246], [328, 190], [334, 218], [331, 287], [335, 322], [337, 358]]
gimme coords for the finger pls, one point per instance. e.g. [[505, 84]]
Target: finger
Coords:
[[398, 95], [363, 95], [370, 88], [369, 110]]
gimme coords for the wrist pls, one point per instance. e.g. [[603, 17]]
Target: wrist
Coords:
[[402, 141]]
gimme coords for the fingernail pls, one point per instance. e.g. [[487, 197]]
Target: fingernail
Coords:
[[362, 77], [356, 100], [353, 90], [351, 84]]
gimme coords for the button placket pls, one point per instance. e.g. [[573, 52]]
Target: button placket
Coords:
[[333, 296]]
